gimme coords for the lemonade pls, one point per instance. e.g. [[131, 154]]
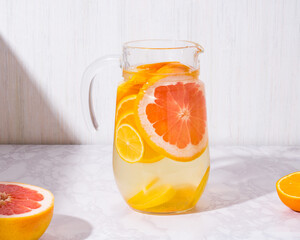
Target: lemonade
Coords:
[[161, 156]]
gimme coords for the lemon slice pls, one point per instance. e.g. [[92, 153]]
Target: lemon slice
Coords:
[[151, 198], [129, 143], [150, 155], [179, 202], [201, 187]]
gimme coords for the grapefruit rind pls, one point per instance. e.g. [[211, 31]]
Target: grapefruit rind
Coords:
[[31, 225], [147, 131]]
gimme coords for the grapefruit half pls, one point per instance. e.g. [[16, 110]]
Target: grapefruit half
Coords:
[[25, 211], [171, 116]]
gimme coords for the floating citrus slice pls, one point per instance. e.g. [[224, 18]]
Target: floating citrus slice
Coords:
[[137, 197], [151, 198], [138, 77], [171, 116], [128, 118], [153, 67], [174, 68], [288, 189], [131, 86], [201, 187], [126, 105], [129, 143], [181, 201], [150, 155], [25, 211], [186, 197]]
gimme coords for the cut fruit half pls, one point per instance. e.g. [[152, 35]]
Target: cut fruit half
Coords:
[[171, 116], [288, 189], [25, 211], [129, 143]]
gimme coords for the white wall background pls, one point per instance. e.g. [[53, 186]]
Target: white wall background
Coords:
[[251, 64]]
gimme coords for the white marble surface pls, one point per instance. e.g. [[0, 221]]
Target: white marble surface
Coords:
[[240, 201]]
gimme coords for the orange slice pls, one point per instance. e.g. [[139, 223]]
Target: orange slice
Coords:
[[288, 189], [137, 78], [127, 104], [129, 143], [153, 67], [25, 211], [128, 118], [171, 116], [131, 86], [174, 68], [149, 155]]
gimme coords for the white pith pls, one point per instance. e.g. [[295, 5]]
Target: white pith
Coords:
[[190, 150], [46, 203]]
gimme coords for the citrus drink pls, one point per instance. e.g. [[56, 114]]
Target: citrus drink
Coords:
[[161, 156]]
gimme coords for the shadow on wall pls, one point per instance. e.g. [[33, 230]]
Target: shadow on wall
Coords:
[[25, 115]]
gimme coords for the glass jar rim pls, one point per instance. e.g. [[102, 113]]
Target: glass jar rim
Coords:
[[162, 44]]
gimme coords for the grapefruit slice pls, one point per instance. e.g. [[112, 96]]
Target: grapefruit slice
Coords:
[[171, 116], [25, 211]]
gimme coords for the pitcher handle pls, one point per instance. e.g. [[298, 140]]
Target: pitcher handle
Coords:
[[87, 87]]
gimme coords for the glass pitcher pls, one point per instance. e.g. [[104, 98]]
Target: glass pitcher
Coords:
[[160, 151]]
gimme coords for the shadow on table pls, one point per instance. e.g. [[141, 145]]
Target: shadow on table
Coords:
[[65, 227], [238, 179]]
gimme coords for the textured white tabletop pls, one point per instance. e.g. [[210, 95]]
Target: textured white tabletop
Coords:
[[240, 201]]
